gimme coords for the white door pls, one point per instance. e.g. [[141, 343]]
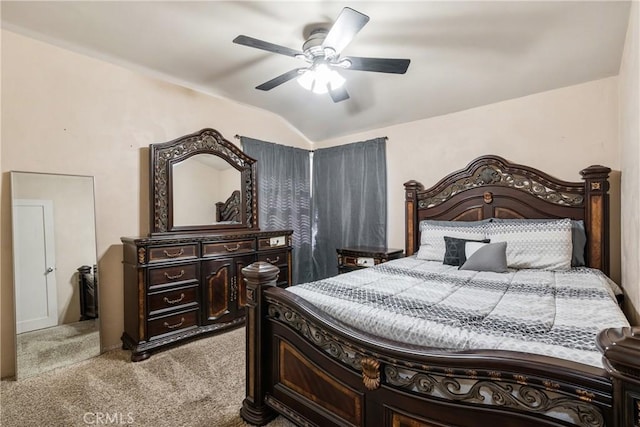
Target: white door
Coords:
[[34, 265]]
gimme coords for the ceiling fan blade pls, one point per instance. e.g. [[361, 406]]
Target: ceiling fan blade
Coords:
[[348, 24], [269, 47], [339, 94], [282, 78], [378, 65]]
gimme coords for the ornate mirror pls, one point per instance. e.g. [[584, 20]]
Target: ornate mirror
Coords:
[[201, 182]]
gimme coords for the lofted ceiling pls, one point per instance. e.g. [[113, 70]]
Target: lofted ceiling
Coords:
[[463, 54]]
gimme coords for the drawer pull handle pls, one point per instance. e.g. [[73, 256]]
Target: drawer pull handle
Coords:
[[177, 325], [174, 301], [274, 261], [177, 276], [232, 249], [175, 254]]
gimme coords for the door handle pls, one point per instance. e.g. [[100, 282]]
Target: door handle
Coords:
[[49, 270]]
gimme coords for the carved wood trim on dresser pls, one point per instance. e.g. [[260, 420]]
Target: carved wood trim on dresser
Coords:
[[164, 156], [181, 287]]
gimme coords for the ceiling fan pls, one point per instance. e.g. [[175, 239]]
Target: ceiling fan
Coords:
[[321, 51]]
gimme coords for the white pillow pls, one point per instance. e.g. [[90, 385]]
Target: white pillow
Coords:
[[432, 247], [471, 247], [542, 245]]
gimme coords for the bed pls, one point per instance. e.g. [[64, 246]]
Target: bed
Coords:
[[229, 210], [310, 360]]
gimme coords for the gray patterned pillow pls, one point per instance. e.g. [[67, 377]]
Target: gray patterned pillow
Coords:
[[542, 245], [489, 257], [432, 234], [578, 236], [455, 252]]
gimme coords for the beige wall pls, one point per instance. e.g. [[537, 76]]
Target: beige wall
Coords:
[[67, 113], [630, 160], [560, 132]]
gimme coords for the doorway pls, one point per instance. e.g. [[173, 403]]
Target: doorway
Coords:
[[34, 253]]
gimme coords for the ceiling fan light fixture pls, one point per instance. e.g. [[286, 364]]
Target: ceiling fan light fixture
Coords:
[[321, 51], [320, 78]]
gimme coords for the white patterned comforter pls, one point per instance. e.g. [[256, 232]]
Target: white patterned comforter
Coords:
[[427, 303]]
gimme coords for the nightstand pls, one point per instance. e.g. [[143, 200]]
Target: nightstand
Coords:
[[357, 257]]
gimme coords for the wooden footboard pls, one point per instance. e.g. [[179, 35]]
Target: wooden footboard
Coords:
[[315, 371]]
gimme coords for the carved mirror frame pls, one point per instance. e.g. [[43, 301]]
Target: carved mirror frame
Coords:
[[207, 141]]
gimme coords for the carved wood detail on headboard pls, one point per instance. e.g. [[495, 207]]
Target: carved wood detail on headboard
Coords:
[[492, 187], [229, 210]]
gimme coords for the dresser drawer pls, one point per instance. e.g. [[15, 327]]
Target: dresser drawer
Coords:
[[172, 275], [173, 323], [174, 299], [278, 258], [226, 248], [283, 277], [273, 242], [354, 261], [281, 260], [164, 253]]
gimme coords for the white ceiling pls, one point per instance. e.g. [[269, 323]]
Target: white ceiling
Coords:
[[463, 54]]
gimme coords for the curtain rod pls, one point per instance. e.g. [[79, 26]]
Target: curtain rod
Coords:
[[386, 138]]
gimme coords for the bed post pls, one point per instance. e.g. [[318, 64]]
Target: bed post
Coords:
[[621, 350], [411, 189], [596, 220], [258, 277]]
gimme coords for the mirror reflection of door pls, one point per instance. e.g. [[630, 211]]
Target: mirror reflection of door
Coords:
[[34, 260], [199, 183], [55, 278]]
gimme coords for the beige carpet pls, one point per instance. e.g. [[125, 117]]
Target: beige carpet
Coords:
[[46, 349], [196, 384]]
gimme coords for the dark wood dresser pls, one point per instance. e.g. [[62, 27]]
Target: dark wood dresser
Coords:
[[179, 287]]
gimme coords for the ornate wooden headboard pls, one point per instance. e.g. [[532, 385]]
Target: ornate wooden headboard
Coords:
[[492, 187], [229, 210]]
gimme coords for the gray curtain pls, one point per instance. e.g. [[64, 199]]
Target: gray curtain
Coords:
[[283, 175], [349, 201]]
